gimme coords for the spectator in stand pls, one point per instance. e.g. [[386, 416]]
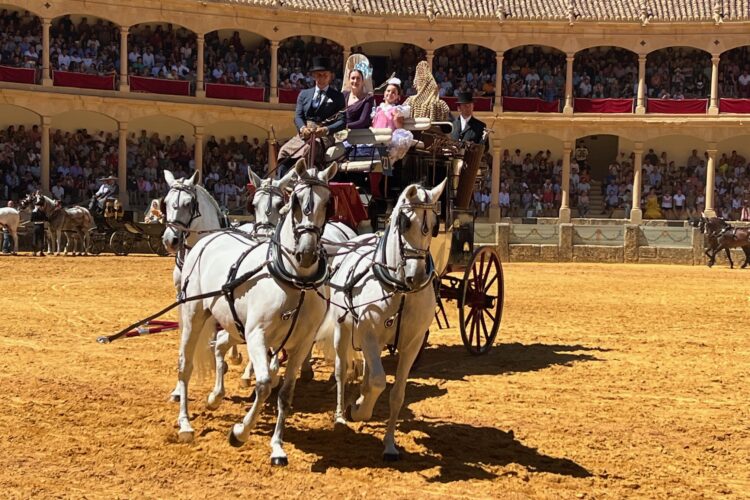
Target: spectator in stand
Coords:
[[20, 39], [605, 72], [678, 72], [547, 70], [84, 48], [234, 62], [162, 52], [470, 68], [296, 53]]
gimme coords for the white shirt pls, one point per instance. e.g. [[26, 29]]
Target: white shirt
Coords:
[[58, 192], [464, 122]]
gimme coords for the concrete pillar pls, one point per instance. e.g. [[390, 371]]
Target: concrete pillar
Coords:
[[497, 153], [46, 74], [565, 183], [710, 180], [498, 108], [200, 87], [199, 150], [713, 107], [44, 178], [568, 109], [124, 84], [274, 97], [430, 57], [636, 214], [640, 107], [565, 243], [122, 164]]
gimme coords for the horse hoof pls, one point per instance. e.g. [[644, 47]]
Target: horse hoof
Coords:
[[186, 436], [213, 402], [235, 360], [245, 383], [279, 461], [348, 414], [391, 457], [339, 423], [233, 441], [175, 398]]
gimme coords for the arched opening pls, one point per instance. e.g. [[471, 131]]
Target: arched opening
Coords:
[[295, 57], [734, 73], [534, 71], [83, 149], [20, 157], [674, 177], [157, 143], [601, 176], [465, 68], [388, 58], [678, 73], [732, 197], [84, 44], [20, 45], [237, 57], [605, 73], [162, 51]]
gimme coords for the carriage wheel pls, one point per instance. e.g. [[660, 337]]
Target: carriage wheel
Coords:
[[156, 246], [480, 307], [121, 243], [97, 243]]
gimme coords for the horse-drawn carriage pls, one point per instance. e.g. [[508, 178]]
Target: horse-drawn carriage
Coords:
[[116, 231]]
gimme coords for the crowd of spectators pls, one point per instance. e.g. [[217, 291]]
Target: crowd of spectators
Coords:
[[465, 68], [678, 73], [295, 57], [20, 39], [229, 61], [84, 47], [162, 52], [20, 161], [530, 184], [534, 72], [605, 72], [734, 73]]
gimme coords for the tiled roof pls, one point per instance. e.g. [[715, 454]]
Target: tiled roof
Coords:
[[643, 11]]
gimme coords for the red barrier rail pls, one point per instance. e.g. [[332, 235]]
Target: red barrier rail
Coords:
[[159, 86], [83, 80], [288, 96], [530, 104], [238, 92], [677, 106], [734, 105], [17, 75], [603, 105]]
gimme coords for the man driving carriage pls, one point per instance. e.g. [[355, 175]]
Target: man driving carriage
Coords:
[[319, 114], [107, 191]]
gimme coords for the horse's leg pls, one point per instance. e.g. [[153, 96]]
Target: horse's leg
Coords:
[[342, 342], [746, 250], [223, 344], [193, 318], [406, 358], [307, 371], [234, 355], [729, 257], [247, 375], [286, 394], [14, 235], [373, 382], [256, 351]]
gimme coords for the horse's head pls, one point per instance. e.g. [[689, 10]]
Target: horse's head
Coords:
[[307, 212], [268, 199], [414, 222], [179, 208], [27, 201]]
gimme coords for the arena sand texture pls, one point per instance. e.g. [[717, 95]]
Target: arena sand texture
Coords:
[[609, 381]]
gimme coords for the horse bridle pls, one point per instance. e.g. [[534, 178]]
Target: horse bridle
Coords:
[[195, 211], [272, 191], [299, 228]]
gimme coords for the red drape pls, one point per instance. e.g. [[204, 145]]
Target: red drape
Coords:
[[159, 86], [349, 208], [222, 91], [734, 105], [287, 96], [17, 75], [603, 105], [480, 103], [677, 106], [83, 80], [530, 104]]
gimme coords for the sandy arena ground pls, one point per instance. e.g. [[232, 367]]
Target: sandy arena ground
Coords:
[[610, 381]]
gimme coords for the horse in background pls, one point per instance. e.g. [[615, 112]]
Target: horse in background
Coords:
[[720, 235], [10, 219], [76, 220]]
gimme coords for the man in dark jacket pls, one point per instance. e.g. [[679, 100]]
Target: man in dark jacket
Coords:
[[466, 128], [38, 218], [319, 114]]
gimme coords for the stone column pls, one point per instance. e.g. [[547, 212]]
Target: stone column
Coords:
[[640, 107], [46, 73], [498, 108], [713, 107], [124, 84], [565, 185], [274, 97], [44, 178], [710, 179], [430, 57], [497, 153], [568, 109], [200, 87], [636, 214], [122, 164], [199, 150]]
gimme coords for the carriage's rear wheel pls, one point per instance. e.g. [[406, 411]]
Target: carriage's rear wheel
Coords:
[[480, 305], [156, 246], [97, 242], [121, 242]]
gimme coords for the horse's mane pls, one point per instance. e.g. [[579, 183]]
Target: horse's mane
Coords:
[[211, 199]]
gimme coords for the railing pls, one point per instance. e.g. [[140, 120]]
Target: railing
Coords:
[[83, 80], [237, 92], [534, 234], [581, 105], [666, 236], [677, 106], [530, 105], [18, 75], [599, 235], [159, 85], [734, 105]]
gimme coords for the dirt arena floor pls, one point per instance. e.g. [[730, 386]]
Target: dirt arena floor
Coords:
[[609, 381]]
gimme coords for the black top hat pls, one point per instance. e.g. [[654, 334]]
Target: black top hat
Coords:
[[465, 98], [320, 64]]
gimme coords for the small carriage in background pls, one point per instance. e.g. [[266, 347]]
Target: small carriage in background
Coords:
[[473, 278], [116, 231]]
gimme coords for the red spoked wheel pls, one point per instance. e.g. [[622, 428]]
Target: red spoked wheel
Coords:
[[480, 305]]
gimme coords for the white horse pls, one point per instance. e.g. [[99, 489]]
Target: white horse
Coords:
[[279, 302], [386, 290], [11, 219], [76, 219]]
